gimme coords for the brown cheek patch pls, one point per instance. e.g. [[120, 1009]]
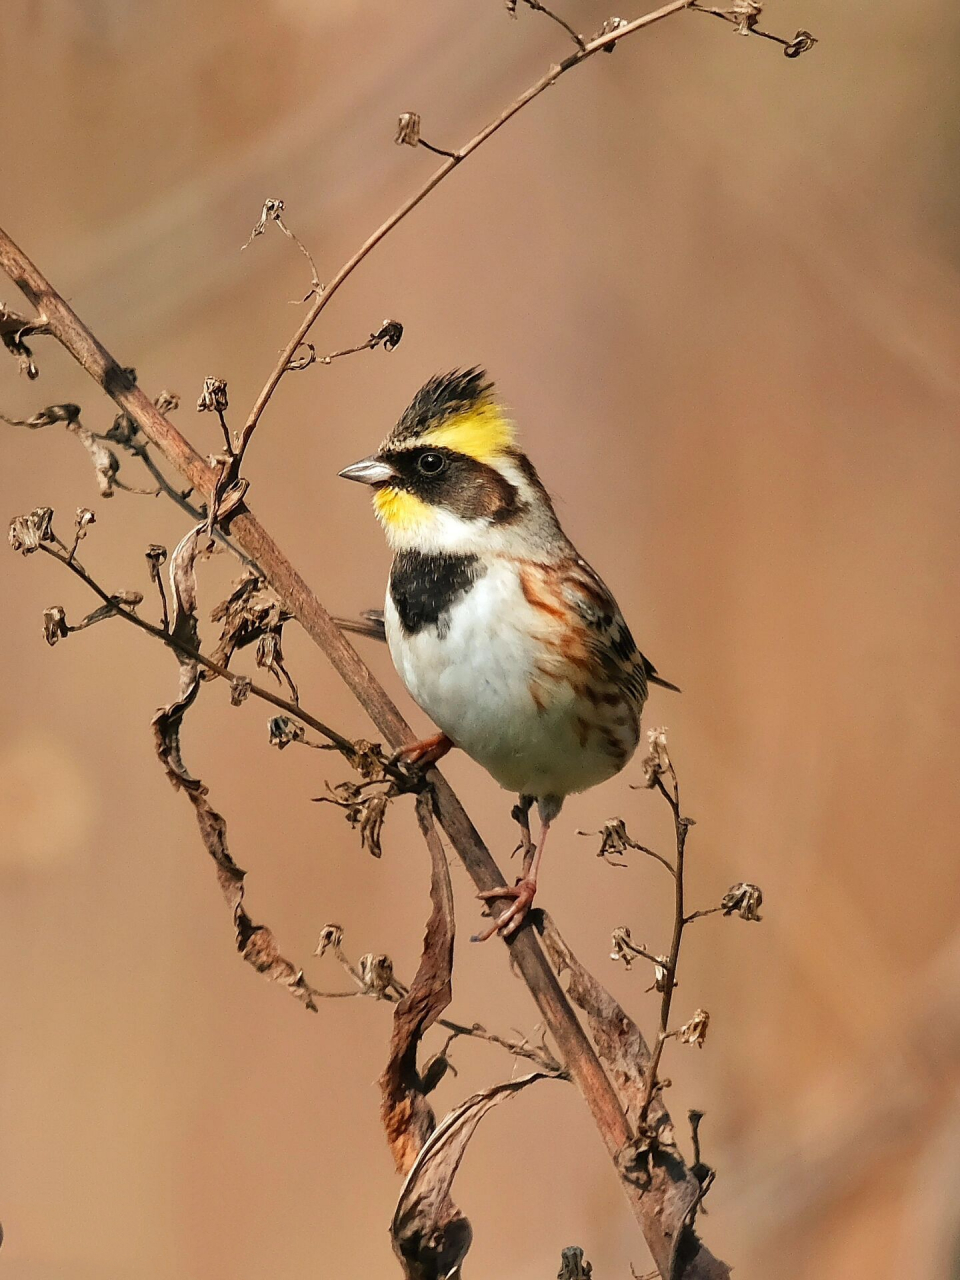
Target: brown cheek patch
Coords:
[[476, 491]]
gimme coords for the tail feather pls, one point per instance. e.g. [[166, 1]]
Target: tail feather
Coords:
[[653, 678], [369, 624]]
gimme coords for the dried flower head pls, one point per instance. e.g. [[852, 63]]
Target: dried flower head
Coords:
[[661, 975], [27, 532], [167, 401], [128, 599], [656, 762], [240, 687], [283, 731], [123, 431], [271, 211], [614, 840], [623, 947], [213, 397], [573, 1265], [55, 624], [626, 950], [609, 27], [695, 1031], [744, 899], [331, 938], [369, 761], [745, 15], [155, 556], [802, 42], [85, 518], [408, 130], [389, 333], [376, 974]]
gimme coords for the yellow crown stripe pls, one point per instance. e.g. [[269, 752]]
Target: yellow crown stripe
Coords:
[[482, 433]]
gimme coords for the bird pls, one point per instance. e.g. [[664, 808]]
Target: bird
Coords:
[[499, 629]]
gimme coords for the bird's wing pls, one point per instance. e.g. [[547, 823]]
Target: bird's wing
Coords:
[[609, 636]]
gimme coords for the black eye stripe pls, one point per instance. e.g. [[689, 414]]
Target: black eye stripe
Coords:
[[469, 488]]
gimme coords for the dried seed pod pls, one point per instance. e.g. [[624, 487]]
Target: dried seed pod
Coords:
[[55, 624], [283, 731], [331, 938], [408, 130], [695, 1031], [744, 899], [213, 397]]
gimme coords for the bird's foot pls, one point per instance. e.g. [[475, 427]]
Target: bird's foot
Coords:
[[507, 924], [424, 753]]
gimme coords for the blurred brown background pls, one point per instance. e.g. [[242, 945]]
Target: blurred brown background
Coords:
[[720, 291]]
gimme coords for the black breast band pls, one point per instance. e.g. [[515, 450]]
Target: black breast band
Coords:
[[424, 587]]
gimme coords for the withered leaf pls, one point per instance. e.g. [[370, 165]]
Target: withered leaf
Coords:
[[430, 1236], [256, 943], [407, 1118], [122, 600], [252, 613]]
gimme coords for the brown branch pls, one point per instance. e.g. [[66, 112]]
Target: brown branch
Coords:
[[455, 158], [575, 1048]]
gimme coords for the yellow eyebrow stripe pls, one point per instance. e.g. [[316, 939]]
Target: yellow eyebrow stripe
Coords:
[[482, 433]]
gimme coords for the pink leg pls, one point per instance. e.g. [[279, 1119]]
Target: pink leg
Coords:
[[426, 752], [523, 893]]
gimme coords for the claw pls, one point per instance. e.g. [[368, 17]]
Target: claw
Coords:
[[509, 922]]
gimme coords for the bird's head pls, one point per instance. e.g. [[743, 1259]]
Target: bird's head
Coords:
[[449, 476]]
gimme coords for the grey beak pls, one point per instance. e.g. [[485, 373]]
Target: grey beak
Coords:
[[370, 470]]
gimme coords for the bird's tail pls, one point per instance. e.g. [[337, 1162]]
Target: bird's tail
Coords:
[[369, 624], [653, 678]]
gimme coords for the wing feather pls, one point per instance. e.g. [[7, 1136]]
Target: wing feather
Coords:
[[625, 666]]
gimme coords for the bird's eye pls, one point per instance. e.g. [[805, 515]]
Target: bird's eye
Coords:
[[431, 464]]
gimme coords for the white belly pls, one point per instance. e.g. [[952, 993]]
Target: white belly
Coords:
[[475, 683]]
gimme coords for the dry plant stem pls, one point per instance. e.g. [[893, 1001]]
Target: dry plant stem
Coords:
[[519, 1048], [292, 709], [680, 920], [455, 158]]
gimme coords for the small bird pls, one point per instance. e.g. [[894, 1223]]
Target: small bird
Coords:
[[498, 627]]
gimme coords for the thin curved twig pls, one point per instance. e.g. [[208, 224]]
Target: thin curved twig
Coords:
[[597, 45]]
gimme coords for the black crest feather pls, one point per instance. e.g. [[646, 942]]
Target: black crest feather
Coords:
[[442, 398]]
